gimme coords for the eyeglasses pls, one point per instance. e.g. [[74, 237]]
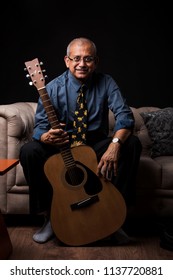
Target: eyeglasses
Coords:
[[86, 59]]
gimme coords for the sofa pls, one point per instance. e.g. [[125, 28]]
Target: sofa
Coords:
[[154, 186]]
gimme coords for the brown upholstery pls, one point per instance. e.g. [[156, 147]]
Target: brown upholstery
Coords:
[[154, 178]]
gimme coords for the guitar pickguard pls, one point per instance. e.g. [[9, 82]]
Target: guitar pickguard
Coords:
[[81, 175]]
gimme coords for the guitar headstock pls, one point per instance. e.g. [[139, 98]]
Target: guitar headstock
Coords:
[[35, 73]]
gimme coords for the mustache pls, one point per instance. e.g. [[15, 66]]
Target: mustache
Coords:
[[83, 68]]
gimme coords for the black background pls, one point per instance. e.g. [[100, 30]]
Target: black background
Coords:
[[134, 46]]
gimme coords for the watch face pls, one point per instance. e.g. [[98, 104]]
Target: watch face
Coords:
[[115, 140]]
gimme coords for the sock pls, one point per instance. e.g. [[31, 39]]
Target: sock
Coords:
[[120, 237], [45, 233]]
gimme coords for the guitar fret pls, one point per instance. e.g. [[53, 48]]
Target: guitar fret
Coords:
[[49, 107], [68, 158], [53, 118], [69, 162], [53, 126]]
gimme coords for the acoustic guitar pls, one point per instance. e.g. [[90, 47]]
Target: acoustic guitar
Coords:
[[85, 208]]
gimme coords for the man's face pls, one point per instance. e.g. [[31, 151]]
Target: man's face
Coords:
[[81, 60]]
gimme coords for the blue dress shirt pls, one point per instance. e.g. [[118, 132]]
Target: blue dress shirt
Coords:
[[102, 94]]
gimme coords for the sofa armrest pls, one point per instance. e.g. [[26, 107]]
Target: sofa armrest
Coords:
[[16, 122]]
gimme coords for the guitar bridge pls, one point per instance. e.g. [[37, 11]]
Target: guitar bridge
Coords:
[[84, 203]]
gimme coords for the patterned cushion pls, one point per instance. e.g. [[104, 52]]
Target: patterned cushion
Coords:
[[160, 128]]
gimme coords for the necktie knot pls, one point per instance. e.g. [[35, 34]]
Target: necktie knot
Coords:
[[83, 88]]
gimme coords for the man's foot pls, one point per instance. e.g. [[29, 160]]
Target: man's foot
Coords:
[[120, 237], [45, 233]]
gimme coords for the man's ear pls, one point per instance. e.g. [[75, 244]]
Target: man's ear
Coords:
[[66, 60]]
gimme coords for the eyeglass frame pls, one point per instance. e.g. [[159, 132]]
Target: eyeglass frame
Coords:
[[92, 58]]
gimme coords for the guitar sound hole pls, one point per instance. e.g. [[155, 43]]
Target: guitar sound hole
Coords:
[[74, 176]]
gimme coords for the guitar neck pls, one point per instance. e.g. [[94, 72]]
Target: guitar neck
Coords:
[[50, 111], [52, 117]]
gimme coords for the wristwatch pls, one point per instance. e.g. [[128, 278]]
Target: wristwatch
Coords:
[[117, 140]]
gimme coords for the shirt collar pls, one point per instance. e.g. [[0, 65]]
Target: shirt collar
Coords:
[[76, 84]]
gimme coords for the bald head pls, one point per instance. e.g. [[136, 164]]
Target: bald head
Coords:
[[80, 42]]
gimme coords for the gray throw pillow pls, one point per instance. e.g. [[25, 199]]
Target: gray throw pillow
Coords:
[[160, 128]]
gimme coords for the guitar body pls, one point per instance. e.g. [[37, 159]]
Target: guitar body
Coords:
[[88, 210]]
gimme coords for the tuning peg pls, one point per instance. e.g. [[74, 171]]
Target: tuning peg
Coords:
[[26, 69], [31, 83], [39, 64]]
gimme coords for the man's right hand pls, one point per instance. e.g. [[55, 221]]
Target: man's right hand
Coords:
[[56, 136]]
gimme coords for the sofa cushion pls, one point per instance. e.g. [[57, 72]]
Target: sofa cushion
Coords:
[[166, 164], [141, 130], [160, 128]]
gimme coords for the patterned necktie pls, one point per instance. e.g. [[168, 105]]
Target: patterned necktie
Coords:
[[80, 119]]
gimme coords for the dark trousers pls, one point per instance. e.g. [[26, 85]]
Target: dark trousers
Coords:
[[34, 154]]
